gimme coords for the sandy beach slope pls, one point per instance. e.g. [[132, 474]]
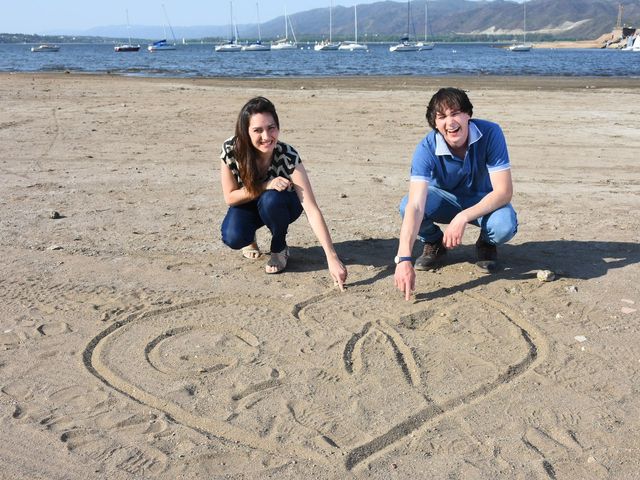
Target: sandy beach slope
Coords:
[[133, 344]]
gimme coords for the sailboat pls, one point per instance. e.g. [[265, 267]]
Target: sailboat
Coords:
[[353, 46], [257, 46], [426, 45], [127, 47], [524, 46], [327, 45], [285, 43], [162, 45], [405, 45], [232, 45]]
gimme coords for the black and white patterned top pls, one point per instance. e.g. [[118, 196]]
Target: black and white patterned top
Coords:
[[284, 161]]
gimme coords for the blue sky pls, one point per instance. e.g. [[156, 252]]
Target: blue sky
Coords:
[[42, 16]]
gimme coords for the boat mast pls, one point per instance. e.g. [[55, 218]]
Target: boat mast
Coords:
[[524, 27], [408, 16], [330, 19], [258, 15], [426, 18], [128, 26], [355, 17], [286, 24], [168, 23]]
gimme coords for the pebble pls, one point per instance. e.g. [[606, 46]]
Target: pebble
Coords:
[[580, 338], [343, 195], [54, 215], [627, 310], [571, 289], [55, 247], [546, 275]]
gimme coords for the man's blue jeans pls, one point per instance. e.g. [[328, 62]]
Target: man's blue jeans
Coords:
[[496, 228], [276, 210]]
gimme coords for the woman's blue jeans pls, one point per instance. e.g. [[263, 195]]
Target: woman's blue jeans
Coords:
[[496, 228], [277, 210]]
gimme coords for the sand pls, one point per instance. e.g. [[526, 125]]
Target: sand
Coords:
[[134, 344]]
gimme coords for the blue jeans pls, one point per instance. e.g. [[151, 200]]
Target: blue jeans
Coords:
[[496, 228], [276, 210]]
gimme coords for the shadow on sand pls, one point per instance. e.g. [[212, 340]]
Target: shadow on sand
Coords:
[[569, 258]]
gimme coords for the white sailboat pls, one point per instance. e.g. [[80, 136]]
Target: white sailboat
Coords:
[[45, 47], [232, 45], [524, 46], [426, 45], [285, 43], [354, 46], [257, 46], [127, 47], [405, 45], [162, 45], [327, 45]]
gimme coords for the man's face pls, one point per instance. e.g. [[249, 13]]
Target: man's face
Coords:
[[453, 125]]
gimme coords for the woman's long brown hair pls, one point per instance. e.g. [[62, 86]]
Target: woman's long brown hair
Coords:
[[245, 153]]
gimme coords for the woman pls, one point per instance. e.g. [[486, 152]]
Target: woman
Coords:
[[265, 183]]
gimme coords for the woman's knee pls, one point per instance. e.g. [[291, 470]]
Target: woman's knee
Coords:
[[272, 199], [235, 241]]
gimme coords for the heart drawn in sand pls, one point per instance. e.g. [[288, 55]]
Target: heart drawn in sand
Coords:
[[339, 379]]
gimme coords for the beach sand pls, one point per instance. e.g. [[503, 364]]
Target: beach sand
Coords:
[[134, 344]]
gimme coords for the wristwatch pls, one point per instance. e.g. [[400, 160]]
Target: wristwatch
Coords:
[[398, 259]]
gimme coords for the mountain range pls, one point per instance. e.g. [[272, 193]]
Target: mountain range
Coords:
[[447, 19]]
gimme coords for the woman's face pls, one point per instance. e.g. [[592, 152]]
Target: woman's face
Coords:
[[264, 134]]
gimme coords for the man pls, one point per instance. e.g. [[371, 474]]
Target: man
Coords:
[[460, 174]]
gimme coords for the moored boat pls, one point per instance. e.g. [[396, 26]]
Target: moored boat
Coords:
[[524, 46], [160, 45], [328, 45], [285, 43], [354, 46], [45, 47], [127, 47]]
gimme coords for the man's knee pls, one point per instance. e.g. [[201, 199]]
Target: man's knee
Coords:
[[403, 205], [502, 225]]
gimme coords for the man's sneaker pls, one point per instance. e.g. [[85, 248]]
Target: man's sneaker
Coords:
[[431, 255], [487, 256]]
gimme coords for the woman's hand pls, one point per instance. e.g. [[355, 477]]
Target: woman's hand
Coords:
[[338, 272], [279, 183]]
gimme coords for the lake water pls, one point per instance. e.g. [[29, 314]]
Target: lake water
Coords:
[[200, 60]]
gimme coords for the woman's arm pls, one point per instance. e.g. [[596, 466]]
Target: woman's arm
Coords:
[[233, 193], [303, 189], [236, 195]]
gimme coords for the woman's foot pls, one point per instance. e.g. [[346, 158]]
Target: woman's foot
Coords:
[[278, 261], [251, 251]]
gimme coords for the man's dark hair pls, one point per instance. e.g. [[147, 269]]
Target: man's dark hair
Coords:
[[448, 97]]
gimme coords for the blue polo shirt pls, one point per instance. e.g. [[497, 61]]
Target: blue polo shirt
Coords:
[[434, 163]]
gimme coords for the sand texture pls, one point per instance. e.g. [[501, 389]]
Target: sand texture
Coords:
[[134, 344]]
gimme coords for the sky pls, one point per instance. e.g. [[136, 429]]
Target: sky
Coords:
[[46, 16]]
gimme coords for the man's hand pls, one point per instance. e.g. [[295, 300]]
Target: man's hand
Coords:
[[453, 234], [405, 279]]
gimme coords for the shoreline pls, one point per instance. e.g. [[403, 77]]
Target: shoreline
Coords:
[[375, 83]]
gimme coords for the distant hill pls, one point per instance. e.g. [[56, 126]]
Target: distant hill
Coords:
[[448, 20]]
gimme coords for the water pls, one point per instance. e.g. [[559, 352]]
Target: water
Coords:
[[201, 61]]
